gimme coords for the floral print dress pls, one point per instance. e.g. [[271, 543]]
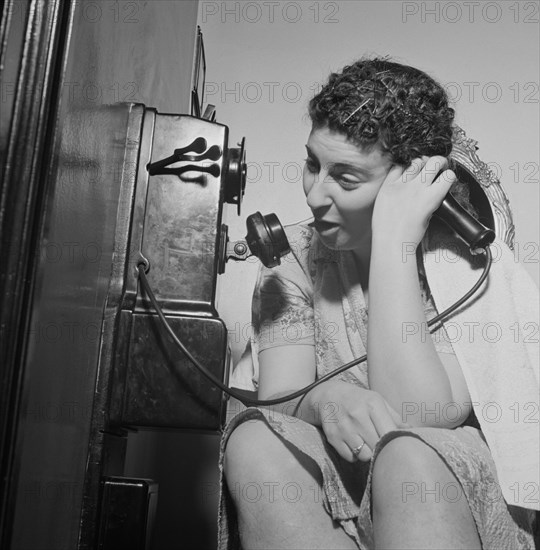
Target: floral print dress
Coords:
[[314, 298]]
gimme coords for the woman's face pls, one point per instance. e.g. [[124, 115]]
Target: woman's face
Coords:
[[341, 182]]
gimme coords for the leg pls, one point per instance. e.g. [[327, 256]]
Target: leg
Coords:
[[277, 493], [417, 501]]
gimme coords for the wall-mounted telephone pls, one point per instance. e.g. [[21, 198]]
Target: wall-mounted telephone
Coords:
[[171, 218], [178, 172], [171, 222]]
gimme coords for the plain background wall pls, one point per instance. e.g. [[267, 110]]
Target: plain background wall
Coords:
[[265, 60]]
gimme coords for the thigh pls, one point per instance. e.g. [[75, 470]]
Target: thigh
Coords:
[[465, 454], [254, 452], [408, 463], [417, 501], [278, 494]]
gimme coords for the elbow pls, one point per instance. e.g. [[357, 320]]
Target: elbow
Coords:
[[436, 414]]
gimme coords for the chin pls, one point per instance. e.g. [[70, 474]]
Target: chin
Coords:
[[335, 242]]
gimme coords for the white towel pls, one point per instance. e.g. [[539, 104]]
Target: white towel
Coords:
[[495, 338]]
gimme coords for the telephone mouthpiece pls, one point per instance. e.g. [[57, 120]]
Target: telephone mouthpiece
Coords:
[[266, 238]]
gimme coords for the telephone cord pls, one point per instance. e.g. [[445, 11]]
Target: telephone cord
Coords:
[[301, 392]]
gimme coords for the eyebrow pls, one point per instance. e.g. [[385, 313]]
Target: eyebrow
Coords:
[[342, 165]]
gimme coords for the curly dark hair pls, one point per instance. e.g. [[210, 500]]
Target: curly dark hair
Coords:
[[375, 101]]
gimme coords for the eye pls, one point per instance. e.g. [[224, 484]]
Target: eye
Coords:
[[347, 181], [311, 166]]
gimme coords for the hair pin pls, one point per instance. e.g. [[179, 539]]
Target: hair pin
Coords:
[[363, 104]]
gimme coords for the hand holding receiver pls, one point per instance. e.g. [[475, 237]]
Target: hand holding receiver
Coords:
[[424, 191], [408, 198]]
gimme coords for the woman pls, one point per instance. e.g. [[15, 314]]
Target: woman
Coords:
[[364, 460]]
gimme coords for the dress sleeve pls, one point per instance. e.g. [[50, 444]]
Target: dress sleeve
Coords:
[[282, 307]]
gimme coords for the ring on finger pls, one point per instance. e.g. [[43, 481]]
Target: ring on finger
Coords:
[[357, 450]]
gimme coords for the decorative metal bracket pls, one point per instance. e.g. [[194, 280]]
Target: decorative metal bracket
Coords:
[[197, 146], [464, 153], [185, 154], [213, 170]]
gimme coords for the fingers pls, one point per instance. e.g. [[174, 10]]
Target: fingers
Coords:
[[382, 419], [433, 166], [433, 174], [445, 180], [395, 173], [347, 450], [354, 447], [367, 434], [364, 419], [437, 174], [396, 417], [439, 185], [429, 169], [416, 166], [361, 451]]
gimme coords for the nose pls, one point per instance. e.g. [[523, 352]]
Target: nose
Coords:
[[316, 190]]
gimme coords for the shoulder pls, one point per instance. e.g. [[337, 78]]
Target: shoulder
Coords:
[[302, 243], [307, 248], [301, 238], [293, 270]]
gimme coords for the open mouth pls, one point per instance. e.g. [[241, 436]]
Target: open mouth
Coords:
[[321, 225]]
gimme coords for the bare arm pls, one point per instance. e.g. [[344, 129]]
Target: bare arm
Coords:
[[347, 414], [407, 371], [406, 368], [285, 369]]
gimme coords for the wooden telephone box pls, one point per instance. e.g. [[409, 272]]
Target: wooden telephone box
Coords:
[[86, 90]]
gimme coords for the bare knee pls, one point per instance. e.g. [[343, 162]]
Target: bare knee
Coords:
[[272, 485], [404, 464], [257, 457], [404, 454], [254, 450], [246, 446], [417, 500]]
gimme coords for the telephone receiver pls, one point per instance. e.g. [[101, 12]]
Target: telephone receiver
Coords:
[[475, 234], [266, 237], [471, 231]]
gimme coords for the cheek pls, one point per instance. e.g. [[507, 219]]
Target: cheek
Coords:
[[307, 180], [358, 206]]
